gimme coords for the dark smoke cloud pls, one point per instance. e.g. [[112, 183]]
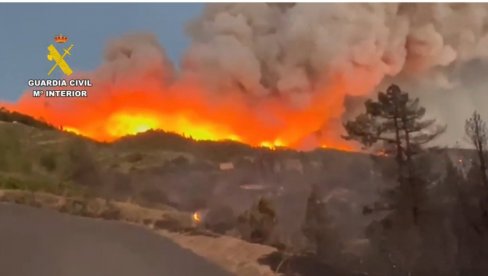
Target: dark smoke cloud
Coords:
[[294, 53], [437, 51], [268, 49], [135, 57]]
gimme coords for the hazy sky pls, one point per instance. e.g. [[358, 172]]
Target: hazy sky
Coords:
[[27, 29]]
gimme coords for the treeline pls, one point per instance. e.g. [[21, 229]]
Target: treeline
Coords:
[[426, 221], [12, 116], [216, 151], [431, 225]]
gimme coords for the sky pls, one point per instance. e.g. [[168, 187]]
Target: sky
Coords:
[[27, 29]]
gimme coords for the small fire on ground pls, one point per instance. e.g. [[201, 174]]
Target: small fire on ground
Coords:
[[196, 217]]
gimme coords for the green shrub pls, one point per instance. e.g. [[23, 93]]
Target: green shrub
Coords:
[[111, 212], [10, 183], [80, 167], [258, 223], [180, 161], [154, 196], [220, 219], [134, 157], [168, 224], [75, 207], [48, 161]]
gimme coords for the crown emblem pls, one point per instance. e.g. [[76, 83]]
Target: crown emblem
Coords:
[[60, 38]]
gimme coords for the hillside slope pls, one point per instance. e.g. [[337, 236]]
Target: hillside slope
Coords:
[[157, 170]]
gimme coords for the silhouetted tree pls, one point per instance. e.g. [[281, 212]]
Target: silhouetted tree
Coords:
[[317, 226], [477, 134], [458, 197], [395, 123]]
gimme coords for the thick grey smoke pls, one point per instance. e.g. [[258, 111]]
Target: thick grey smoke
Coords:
[[293, 51], [266, 48], [295, 71], [135, 57]]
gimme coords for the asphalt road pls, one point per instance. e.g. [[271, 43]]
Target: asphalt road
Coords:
[[37, 242]]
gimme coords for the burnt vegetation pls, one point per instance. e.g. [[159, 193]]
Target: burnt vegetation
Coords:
[[423, 211], [403, 208], [430, 216]]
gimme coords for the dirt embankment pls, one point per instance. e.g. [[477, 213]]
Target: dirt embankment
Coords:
[[235, 255]]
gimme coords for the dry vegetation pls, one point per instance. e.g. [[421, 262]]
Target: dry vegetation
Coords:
[[168, 218], [237, 256], [324, 211], [136, 179], [234, 255]]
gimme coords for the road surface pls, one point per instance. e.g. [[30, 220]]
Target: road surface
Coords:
[[38, 242]]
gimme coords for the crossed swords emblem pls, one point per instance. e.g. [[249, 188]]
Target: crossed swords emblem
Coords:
[[58, 59]]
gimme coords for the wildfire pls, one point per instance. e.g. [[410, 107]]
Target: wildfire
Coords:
[[282, 88], [272, 145], [186, 110], [121, 124], [72, 130], [141, 102], [196, 217]]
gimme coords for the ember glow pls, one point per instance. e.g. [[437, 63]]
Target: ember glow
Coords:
[[196, 218]]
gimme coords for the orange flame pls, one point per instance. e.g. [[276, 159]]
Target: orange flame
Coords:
[[112, 111], [196, 217]]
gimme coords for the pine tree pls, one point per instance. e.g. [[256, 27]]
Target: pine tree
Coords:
[[477, 134], [466, 222], [317, 227], [394, 122]]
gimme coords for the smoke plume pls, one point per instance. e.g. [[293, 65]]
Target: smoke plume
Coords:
[[280, 74], [297, 52]]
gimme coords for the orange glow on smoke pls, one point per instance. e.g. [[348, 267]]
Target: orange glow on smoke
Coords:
[[112, 111]]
